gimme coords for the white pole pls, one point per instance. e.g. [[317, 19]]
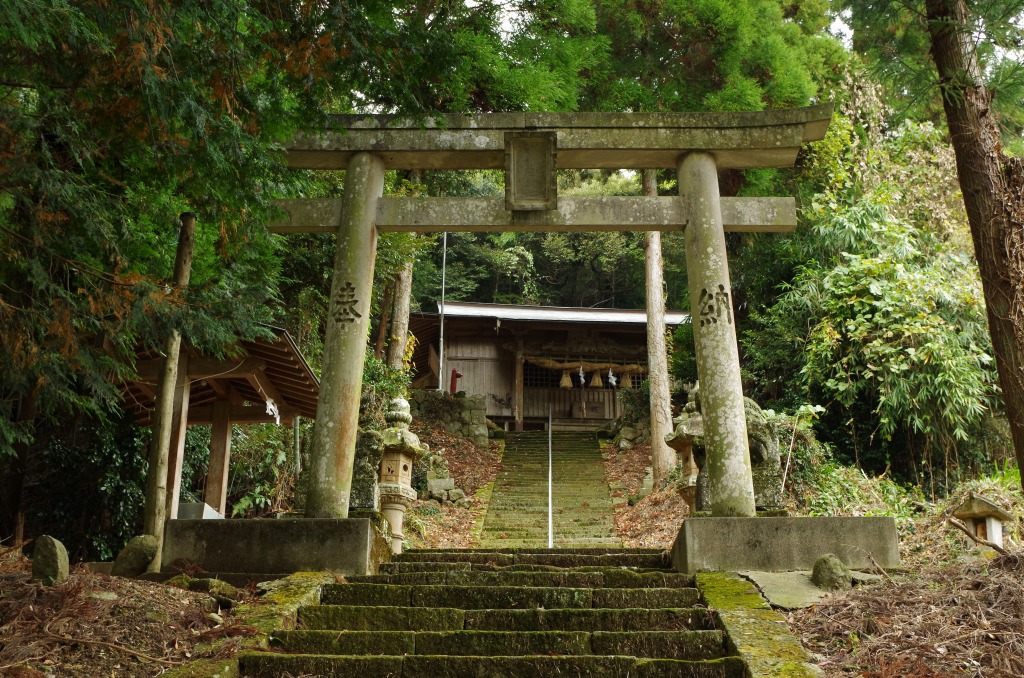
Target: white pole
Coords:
[[551, 519], [440, 358]]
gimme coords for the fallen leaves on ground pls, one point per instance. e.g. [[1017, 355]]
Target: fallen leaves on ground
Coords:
[[430, 525], [470, 466], [960, 620], [94, 624], [626, 466], [433, 525], [653, 522]]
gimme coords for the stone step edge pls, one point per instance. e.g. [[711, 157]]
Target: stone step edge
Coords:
[[542, 551], [343, 618], [689, 645], [261, 664]]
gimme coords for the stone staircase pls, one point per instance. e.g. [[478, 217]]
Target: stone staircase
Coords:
[[517, 516], [507, 613]]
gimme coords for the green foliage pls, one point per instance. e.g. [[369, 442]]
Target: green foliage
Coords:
[[263, 474], [883, 320], [820, 486], [749, 54], [636, 404], [85, 484], [683, 365], [381, 384], [893, 39]]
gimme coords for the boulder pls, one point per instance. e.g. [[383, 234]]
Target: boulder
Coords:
[[628, 433], [831, 574], [438, 485], [50, 561], [456, 494], [135, 557]]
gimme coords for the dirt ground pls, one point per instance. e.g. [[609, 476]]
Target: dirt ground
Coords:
[[98, 625]]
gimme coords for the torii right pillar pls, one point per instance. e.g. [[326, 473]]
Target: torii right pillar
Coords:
[[730, 482]]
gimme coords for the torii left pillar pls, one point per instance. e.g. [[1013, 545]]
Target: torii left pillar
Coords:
[[332, 455]]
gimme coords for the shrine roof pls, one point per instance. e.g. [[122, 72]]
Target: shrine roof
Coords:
[[465, 309]]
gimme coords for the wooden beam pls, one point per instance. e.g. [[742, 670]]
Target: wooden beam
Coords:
[[241, 414], [263, 386], [206, 368], [586, 214]]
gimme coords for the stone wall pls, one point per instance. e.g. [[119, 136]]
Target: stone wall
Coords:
[[466, 415]]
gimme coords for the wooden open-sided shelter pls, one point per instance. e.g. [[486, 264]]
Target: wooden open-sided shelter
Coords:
[[265, 381], [527, 358]]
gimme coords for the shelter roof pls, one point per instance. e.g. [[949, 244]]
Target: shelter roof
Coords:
[[258, 370], [976, 506]]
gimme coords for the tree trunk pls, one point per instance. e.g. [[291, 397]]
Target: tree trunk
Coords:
[[155, 512], [663, 457], [385, 320], [12, 479], [400, 317], [993, 190]]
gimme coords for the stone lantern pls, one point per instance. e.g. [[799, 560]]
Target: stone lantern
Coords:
[[984, 518], [401, 448]]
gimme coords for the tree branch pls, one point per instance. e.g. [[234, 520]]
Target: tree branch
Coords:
[[976, 539]]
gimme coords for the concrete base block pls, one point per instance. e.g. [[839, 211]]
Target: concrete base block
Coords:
[[783, 543], [345, 547]]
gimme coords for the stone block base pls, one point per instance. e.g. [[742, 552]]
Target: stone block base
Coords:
[[346, 547], [783, 543]]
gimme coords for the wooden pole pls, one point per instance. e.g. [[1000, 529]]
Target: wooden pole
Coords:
[[155, 513]]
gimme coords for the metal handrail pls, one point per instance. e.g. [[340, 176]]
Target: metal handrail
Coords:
[[551, 512]]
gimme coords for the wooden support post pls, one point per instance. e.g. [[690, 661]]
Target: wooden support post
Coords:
[[176, 448], [517, 384], [220, 457], [155, 513], [714, 332], [332, 450]]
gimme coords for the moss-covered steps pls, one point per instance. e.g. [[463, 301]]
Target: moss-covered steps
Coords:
[[517, 516], [522, 613]]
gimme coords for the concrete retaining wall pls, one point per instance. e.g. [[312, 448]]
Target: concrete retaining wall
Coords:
[[465, 415], [346, 547], [784, 543]]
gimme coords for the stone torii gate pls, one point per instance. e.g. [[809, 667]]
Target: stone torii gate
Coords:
[[529, 147]]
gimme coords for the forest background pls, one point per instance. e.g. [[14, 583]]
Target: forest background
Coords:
[[868, 323]]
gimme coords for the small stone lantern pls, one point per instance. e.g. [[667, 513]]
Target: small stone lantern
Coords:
[[401, 448], [983, 517]]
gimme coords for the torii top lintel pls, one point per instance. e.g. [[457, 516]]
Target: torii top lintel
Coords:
[[739, 140]]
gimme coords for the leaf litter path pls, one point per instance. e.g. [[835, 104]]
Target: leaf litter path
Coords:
[[961, 620], [97, 625]]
